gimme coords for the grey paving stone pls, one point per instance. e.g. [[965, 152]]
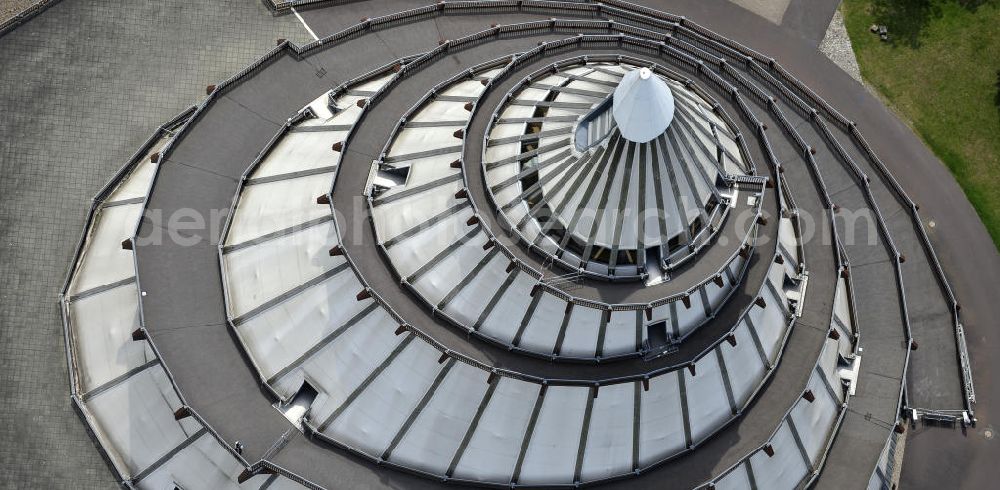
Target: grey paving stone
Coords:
[[82, 86]]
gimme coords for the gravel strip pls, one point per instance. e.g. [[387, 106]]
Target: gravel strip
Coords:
[[836, 45], [10, 8]]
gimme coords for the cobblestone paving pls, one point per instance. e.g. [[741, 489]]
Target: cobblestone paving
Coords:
[[81, 87]]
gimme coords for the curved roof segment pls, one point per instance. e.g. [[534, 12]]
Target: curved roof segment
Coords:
[[308, 301], [643, 106], [633, 192]]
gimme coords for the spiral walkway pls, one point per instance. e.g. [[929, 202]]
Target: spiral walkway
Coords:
[[404, 292]]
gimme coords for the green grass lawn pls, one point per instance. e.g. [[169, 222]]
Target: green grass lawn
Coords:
[[941, 73]]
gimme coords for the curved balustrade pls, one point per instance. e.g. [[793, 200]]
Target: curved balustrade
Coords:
[[319, 335]]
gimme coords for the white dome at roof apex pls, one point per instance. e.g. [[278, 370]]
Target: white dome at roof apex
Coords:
[[643, 105]]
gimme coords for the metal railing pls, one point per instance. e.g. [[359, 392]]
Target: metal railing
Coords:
[[646, 16], [520, 60]]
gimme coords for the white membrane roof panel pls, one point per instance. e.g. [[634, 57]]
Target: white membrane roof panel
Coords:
[[574, 99], [815, 420], [413, 140], [689, 318], [717, 294], [103, 261], [202, 464], [563, 197], [785, 469], [102, 326], [609, 440], [671, 214], [501, 173], [708, 405], [344, 363], [776, 275], [628, 235], [551, 454], [467, 88], [603, 232], [736, 265], [574, 205], [434, 284], [409, 255], [829, 365], [661, 422], [443, 111], [515, 213], [393, 218], [430, 169], [516, 112], [371, 421], [505, 131], [437, 432], [298, 151], [746, 368], [493, 448], [441, 193], [589, 85], [137, 183], [702, 148], [841, 304], [515, 300], [533, 94], [770, 324], [556, 171], [737, 479], [588, 210], [688, 192], [530, 230], [348, 112], [468, 303], [660, 313], [619, 336], [508, 194], [135, 418], [262, 272], [582, 332], [543, 327], [273, 206], [373, 84], [279, 335]]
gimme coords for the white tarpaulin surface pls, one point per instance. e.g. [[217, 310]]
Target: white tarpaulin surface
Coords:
[[103, 260], [102, 327], [437, 432], [494, 446], [609, 440], [661, 423], [551, 454], [281, 334], [259, 273], [375, 416], [135, 418]]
